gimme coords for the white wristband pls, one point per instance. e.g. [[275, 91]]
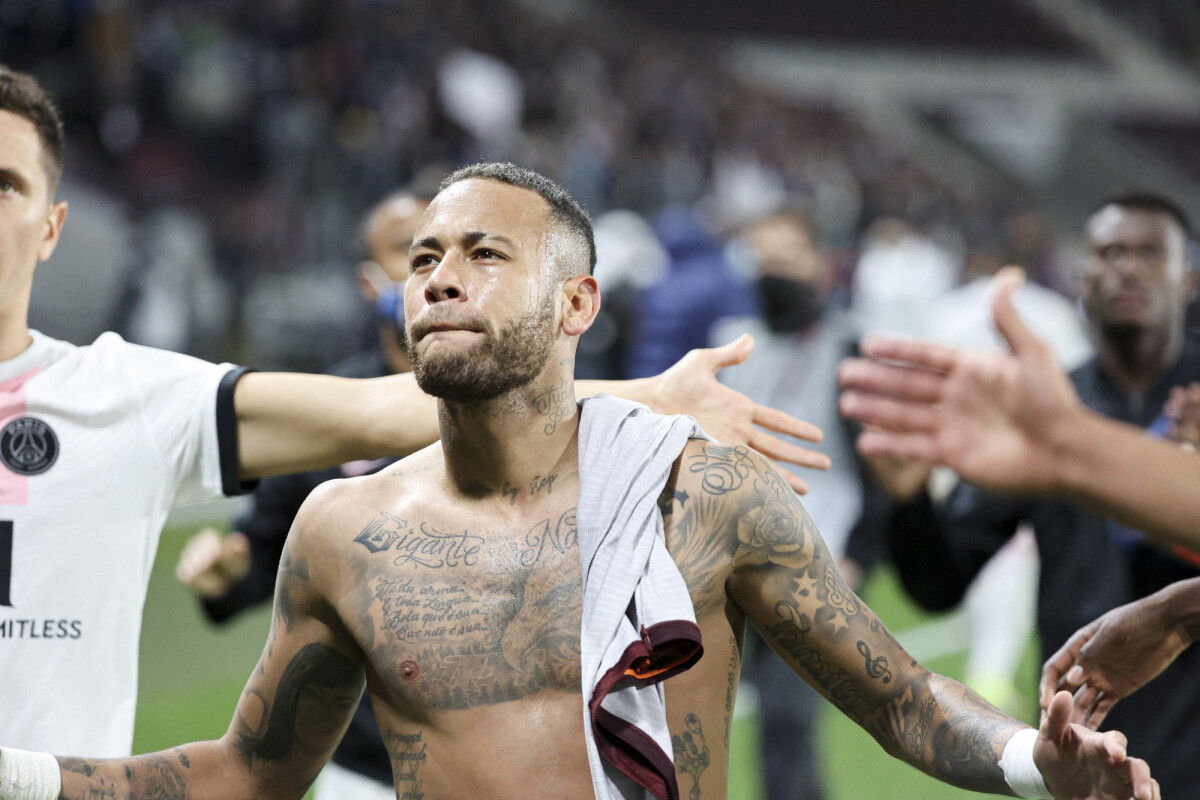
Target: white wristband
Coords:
[[1020, 772], [28, 776]]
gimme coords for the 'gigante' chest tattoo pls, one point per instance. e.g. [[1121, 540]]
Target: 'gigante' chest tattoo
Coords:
[[452, 618]]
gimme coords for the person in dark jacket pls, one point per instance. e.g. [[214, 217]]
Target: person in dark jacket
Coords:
[[1136, 288]]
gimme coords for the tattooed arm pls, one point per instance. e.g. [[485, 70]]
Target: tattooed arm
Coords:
[[781, 575], [291, 715]]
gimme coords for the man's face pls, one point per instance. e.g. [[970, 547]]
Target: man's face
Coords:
[[389, 235], [791, 273], [784, 249], [29, 222], [1136, 276], [479, 300]]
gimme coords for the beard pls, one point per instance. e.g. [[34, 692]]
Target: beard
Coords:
[[501, 362]]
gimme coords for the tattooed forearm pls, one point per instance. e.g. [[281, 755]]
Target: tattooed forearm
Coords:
[[691, 753], [876, 667], [783, 577], [790, 634], [968, 742], [948, 731], [151, 777]]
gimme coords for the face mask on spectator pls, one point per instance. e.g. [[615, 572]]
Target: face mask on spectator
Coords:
[[788, 306], [389, 306], [389, 295]]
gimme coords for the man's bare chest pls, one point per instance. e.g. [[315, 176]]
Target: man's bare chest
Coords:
[[457, 611]]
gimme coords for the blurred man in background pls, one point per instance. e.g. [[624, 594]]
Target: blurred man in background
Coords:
[[678, 313], [1000, 606], [1012, 422], [233, 573], [1137, 283]]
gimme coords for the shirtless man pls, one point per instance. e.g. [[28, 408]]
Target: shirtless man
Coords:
[[450, 584], [117, 434]]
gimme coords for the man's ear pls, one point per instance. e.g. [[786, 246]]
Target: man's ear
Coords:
[[580, 303], [55, 217]]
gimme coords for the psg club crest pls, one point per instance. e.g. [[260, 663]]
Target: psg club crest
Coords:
[[28, 446]]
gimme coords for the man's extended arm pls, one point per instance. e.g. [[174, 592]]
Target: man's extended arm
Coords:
[[1124, 650], [291, 715], [291, 422], [784, 579], [1012, 422]]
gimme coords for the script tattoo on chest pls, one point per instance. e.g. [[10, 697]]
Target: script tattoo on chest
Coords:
[[420, 546], [497, 619], [561, 536], [412, 612]]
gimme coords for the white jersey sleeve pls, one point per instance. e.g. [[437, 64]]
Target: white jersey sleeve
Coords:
[[187, 407]]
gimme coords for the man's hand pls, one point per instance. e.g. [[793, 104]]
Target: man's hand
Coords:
[[691, 387], [987, 415], [1080, 764], [211, 564], [1113, 656], [1183, 410]]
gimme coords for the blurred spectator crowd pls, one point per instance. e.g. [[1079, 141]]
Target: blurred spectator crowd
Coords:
[[227, 150]]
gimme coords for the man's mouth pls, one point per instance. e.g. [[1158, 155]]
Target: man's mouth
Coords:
[[442, 327], [1129, 299]]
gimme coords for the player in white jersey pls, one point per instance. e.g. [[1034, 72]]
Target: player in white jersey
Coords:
[[97, 444]]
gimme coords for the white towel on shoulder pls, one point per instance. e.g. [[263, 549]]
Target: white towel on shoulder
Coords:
[[639, 627]]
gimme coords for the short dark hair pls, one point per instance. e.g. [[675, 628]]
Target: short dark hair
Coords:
[[21, 94], [1143, 200], [563, 208]]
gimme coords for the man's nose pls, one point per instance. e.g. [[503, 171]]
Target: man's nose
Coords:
[[447, 281]]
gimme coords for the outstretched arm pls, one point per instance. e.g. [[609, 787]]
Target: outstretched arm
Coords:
[[291, 422], [290, 717], [784, 579], [1125, 649], [1012, 422]]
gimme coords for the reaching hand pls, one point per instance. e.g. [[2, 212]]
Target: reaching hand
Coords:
[[987, 415], [211, 564], [691, 387], [1080, 764], [1183, 409], [1112, 657]]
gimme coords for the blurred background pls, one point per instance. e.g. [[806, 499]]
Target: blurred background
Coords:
[[221, 154]]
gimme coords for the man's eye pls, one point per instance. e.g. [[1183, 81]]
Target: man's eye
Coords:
[[424, 260], [483, 252], [7, 186]]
